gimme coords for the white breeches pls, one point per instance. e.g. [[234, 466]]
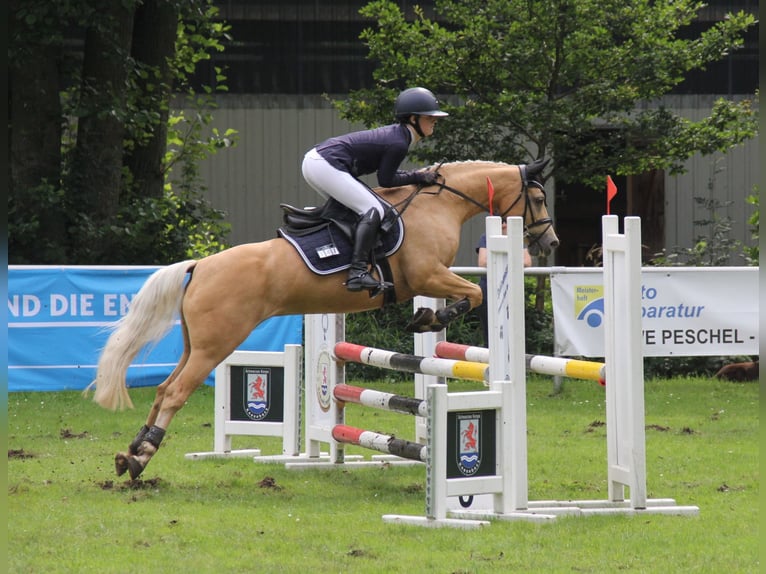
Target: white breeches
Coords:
[[328, 182]]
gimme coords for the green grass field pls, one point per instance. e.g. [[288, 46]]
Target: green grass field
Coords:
[[68, 512]]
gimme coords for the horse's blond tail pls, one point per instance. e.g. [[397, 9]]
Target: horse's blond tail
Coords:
[[150, 316]]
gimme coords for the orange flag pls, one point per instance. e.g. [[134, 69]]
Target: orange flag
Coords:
[[611, 191]]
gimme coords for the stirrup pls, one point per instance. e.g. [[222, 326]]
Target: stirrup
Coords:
[[362, 281], [382, 286]]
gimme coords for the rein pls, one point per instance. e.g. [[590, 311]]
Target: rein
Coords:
[[526, 183]]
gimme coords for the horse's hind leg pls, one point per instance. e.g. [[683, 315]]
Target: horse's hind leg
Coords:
[[175, 395], [122, 460]]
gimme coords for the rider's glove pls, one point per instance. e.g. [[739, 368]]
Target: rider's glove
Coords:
[[429, 177]]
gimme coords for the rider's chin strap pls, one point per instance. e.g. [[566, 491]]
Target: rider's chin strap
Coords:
[[491, 194], [416, 124]]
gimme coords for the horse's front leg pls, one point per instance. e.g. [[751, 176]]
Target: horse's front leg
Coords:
[[444, 285], [425, 319]]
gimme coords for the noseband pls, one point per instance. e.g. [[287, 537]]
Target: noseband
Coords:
[[547, 222]]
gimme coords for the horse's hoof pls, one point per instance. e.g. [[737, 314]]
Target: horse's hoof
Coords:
[[126, 463], [135, 467], [421, 321], [121, 463]]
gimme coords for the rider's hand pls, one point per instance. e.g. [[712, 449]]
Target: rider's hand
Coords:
[[429, 177]]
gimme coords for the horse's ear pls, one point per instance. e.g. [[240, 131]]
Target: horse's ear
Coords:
[[537, 166]]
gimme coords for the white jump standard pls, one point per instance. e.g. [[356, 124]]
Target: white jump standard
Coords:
[[505, 373], [257, 393]]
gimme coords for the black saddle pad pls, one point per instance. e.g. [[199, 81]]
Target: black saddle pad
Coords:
[[326, 249]]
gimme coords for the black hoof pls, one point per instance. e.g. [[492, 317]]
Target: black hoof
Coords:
[[121, 463], [421, 321], [126, 463], [135, 468]]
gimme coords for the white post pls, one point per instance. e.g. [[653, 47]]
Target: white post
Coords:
[[507, 347], [222, 440], [423, 346], [293, 391], [626, 448], [436, 465], [322, 375]]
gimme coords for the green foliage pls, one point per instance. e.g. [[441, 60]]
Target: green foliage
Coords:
[[545, 78], [154, 231], [753, 253], [26, 243], [713, 246], [663, 367], [179, 223]]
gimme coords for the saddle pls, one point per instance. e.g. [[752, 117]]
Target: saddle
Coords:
[[324, 237], [300, 221]]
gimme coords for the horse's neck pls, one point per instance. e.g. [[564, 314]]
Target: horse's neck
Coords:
[[467, 178]]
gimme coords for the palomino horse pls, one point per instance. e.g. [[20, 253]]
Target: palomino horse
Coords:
[[223, 297]]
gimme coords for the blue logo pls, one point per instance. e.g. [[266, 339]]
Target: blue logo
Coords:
[[593, 313]]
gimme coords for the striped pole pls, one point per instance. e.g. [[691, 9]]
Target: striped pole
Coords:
[[380, 442], [436, 366], [380, 400], [574, 368]]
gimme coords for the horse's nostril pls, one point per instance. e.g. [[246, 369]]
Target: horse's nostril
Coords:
[[554, 244]]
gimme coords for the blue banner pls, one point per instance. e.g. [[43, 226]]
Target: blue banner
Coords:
[[59, 319]]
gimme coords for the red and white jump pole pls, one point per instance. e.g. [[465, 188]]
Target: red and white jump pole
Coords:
[[380, 442], [380, 400]]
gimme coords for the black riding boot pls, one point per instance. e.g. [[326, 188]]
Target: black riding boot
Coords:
[[366, 234]]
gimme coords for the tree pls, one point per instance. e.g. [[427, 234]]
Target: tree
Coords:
[[93, 139], [96, 174], [153, 50], [556, 78]]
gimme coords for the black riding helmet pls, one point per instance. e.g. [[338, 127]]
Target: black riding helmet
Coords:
[[416, 102]]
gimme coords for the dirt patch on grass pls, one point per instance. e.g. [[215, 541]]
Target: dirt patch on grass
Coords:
[[19, 454], [269, 482], [67, 433], [133, 484]]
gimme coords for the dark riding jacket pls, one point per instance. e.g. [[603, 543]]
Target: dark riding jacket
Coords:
[[381, 149]]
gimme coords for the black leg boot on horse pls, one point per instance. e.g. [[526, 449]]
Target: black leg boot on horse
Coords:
[[359, 276]]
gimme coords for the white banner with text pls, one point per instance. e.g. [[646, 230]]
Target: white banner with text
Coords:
[[686, 311]]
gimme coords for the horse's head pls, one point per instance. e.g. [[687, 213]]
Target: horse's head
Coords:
[[524, 195], [500, 189]]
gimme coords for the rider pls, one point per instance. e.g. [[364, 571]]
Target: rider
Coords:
[[332, 168]]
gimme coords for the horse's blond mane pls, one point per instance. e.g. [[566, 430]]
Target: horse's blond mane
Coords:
[[469, 161]]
